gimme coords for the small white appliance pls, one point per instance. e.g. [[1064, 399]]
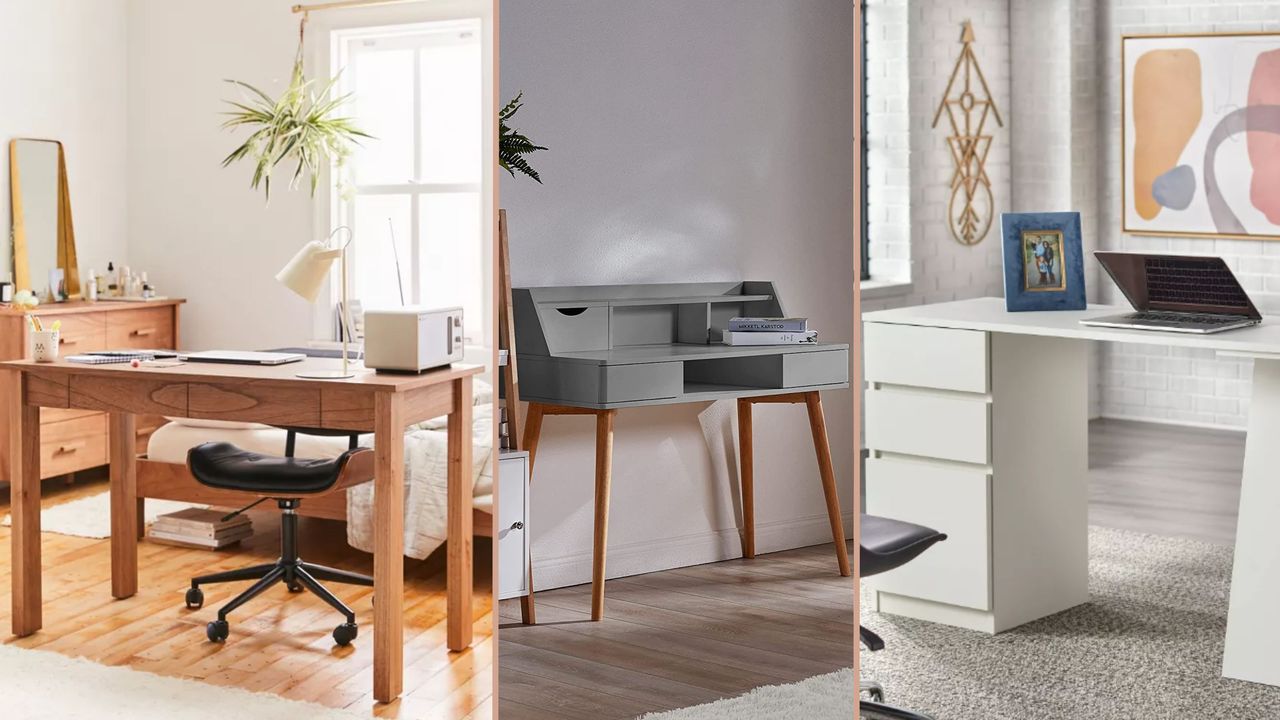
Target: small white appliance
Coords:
[[412, 339]]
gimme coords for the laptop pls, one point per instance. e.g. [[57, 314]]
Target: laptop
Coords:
[[1176, 293], [242, 357]]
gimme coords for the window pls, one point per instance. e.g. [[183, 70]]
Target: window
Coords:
[[412, 194], [864, 224]]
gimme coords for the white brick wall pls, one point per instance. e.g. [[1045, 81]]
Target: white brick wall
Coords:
[[888, 141], [1156, 383]]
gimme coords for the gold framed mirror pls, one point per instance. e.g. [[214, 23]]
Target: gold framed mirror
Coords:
[[40, 205]]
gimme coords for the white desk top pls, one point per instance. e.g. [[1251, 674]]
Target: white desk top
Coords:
[[988, 314]]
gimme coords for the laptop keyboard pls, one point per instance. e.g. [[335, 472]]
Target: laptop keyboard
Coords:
[[1171, 317], [1190, 281]]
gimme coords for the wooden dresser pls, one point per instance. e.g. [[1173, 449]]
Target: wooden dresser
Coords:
[[72, 440]]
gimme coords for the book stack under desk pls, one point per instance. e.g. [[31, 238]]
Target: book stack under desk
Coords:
[[201, 528]]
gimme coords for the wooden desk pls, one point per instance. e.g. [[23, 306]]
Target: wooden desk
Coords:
[[385, 404]]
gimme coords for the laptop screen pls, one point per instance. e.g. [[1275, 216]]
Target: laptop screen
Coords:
[[1181, 283]]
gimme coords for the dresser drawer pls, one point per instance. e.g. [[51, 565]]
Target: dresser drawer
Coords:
[[80, 332], [946, 426], [144, 328], [952, 499], [926, 357], [71, 445], [511, 526]]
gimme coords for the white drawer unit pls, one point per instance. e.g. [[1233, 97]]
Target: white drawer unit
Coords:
[[926, 357], [946, 426], [511, 526]]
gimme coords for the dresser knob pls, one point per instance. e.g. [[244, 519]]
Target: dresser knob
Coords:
[[517, 525]]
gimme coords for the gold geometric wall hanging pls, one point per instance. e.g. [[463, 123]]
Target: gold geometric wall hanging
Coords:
[[968, 103]]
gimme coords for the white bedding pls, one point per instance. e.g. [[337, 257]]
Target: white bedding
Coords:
[[426, 461]]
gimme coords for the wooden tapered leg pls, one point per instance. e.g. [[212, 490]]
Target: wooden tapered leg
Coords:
[[532, 431], [746, 462], [604, 468], [459, 549], [818, 425], [24, 492], [388, 548], [142, 518], [124, 505]]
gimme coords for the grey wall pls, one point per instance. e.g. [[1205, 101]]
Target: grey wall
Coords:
[[706, 140]]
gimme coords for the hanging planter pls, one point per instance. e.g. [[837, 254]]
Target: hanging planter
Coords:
[[301, 127]]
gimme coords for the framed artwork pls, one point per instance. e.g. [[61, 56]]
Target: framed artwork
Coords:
[[1200, 125], [1043, 261]]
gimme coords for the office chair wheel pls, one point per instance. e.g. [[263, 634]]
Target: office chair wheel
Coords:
[[345, 633], [195, 598], [217, 630]]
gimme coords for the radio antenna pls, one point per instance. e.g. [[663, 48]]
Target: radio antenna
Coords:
[[396, 254]]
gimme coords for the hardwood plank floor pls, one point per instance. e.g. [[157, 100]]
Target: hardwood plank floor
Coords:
[[1165, 479], [280, 643], [677, 638]]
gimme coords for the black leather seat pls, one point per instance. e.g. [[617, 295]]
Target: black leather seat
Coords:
[[886, 544], [286, 479]]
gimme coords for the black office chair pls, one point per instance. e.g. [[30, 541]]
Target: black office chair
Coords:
[[885, 545], [286, 480]]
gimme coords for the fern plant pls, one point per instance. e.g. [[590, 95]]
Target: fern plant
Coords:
[[301, 126], [514, 146]]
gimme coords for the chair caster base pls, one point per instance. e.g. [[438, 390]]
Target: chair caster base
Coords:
[[217, 631], [195, 598], [875, 710], [345, 633]]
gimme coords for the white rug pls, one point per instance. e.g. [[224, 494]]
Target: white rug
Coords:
[[90, 517], [46, 685], [824, 697]]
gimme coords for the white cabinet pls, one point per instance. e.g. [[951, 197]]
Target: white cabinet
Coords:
[[511, 526]]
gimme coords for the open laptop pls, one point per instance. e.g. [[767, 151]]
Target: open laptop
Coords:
[[1176, 293], [242, 357]]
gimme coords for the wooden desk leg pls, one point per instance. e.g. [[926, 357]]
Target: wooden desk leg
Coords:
[[604, 468], [142, 518], [818, 425], [388, 548], [24, 491], [532, 432], [460, 552], [124, 505], [746, 478]]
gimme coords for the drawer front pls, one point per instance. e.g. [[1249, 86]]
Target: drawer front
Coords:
[[80, 332], [933, 425], [72, 445], [144, 328], [576, 329], [829, 367], [926, 357], [645, 381], [955, 500], [512, 527]]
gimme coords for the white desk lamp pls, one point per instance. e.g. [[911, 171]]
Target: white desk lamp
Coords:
[[306, 274]]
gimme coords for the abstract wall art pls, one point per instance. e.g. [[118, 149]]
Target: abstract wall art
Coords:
[[1201, 134]]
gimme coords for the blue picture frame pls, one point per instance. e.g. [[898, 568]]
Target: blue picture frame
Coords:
[[1043, 261]]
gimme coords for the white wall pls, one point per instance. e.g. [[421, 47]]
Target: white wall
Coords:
[[688, 141], [64, 78]]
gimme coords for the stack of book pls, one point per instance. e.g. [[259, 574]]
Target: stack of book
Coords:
[[200, 527], [769, 331]]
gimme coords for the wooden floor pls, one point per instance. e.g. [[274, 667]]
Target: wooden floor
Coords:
[[280, 643], [677, 638], [1164, 479]]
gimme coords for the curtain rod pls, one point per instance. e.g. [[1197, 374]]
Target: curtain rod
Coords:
[[346, 4]]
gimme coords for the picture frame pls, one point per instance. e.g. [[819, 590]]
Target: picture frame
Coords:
[[1043, 261]]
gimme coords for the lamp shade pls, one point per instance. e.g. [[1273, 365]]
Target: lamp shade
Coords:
[[306, 273]]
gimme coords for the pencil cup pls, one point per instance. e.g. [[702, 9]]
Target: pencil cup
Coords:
[[44, 345]]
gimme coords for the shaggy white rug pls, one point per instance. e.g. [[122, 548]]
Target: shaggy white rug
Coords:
[[823, 697], [46, 685], [90, 517]]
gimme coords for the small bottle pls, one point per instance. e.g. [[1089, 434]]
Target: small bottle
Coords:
[[91, 288], [113, 288], [148, 291]]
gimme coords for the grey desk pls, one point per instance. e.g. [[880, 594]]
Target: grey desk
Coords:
[[592, 350]]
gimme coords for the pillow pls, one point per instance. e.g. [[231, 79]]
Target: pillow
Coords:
[[219, 424]]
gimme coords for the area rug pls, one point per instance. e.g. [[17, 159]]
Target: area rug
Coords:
[[823, 697], [90, 517], [46, 685], [1148, 646]]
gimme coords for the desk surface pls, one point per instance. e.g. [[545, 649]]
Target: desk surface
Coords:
[[676, 352], [988, 315]]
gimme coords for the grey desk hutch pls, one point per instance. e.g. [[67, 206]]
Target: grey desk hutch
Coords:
[[592, 350]]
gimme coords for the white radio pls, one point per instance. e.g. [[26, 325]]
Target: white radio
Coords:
[[412, 339]]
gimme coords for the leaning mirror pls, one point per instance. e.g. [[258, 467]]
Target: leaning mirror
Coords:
[[44, 241]]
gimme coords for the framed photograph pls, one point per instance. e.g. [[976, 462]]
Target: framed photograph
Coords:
[[1043, 261], [1200, 132]]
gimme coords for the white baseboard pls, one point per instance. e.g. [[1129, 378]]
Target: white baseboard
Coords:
[[1171, 421], [684, 550]]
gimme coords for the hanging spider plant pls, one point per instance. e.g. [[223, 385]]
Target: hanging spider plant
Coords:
[[512, 145], [300, 126]]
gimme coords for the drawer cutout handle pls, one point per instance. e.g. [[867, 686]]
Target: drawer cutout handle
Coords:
[[143, 332], [571, 312], [69, 448]]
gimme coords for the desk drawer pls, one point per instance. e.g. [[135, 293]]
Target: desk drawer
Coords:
[[952, 499], [144, 328], [575, 329], [71, 445], [79, 332], [511, 526], [643, 381], [826, 367], [926, 357], [946, 426]]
